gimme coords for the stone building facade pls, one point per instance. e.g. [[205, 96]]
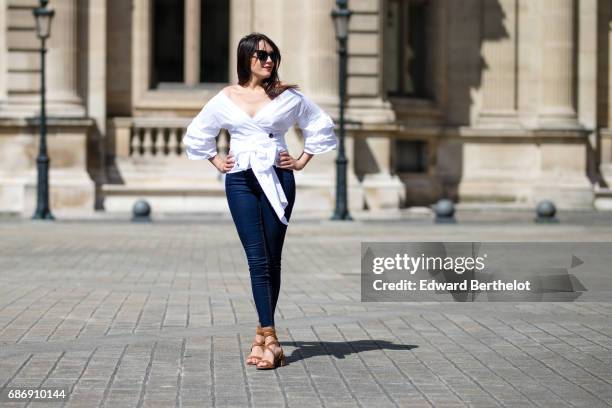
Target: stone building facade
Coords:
[[481, 101]]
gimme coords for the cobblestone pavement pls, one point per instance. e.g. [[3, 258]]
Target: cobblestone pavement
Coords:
[[161, 315]]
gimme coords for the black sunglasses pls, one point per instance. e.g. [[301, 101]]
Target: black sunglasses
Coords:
[[262, 55]]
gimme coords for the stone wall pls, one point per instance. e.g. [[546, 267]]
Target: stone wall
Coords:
[[518, 108]]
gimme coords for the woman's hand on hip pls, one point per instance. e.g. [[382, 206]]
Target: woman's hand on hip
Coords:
[[228, 163], [288, 162], [224, 164]]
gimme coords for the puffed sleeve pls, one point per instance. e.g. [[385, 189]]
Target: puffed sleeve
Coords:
[[199, 138], [317, 127]]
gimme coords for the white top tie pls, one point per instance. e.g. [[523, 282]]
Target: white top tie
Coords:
[[259, 152]]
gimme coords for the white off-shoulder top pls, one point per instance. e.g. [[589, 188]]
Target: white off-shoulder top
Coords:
[[256, 141]]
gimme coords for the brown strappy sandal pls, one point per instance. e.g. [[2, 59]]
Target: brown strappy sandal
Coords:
[[259, 331], [279, 360]]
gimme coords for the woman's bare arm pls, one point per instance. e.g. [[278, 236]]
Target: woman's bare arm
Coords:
[[288, 162], [223, 164]]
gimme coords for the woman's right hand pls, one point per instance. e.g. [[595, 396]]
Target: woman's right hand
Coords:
[[227, 164]]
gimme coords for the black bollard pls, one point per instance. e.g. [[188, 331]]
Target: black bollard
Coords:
[[445, 211], [141, 211], [545, 212]]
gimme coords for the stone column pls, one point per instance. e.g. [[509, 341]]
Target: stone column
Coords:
[[62, 66], [562, 163], [499, 47], [322, 65], [557, 102], [3, 51], [603, 200], [528, 63], [320, 81], [267, 18], [241, 23], [192, 41], [294, 45], [95, 60], [94, 16], [607, 54], [587, 63]]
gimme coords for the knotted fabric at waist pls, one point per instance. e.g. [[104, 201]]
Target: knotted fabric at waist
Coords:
[[260, 152]]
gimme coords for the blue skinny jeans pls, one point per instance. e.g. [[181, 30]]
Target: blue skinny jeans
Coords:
[[261, 233]]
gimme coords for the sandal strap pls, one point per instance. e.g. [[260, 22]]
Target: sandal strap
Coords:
[[258, 332], [268, 331], [276, 359], [279, 356], [271, 342], [251, 352], [269, 347]]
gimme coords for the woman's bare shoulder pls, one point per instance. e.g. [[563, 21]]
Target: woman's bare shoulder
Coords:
[[229, 90]]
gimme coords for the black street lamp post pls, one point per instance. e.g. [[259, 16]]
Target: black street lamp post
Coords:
[[341, 15], [43, 18]]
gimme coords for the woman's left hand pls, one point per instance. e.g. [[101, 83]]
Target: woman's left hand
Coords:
[[288, 162]]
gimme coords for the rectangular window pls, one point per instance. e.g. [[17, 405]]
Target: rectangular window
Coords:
[[405, 48], [168, 39], [190, 43], [214, 45]]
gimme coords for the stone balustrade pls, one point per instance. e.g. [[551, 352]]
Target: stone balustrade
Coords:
[[153, 137]]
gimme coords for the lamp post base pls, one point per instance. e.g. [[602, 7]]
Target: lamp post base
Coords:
[[341, 216], [341, 211], [43, 215], [43, 210]]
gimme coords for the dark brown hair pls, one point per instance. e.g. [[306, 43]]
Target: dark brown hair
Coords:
[[246, 48]]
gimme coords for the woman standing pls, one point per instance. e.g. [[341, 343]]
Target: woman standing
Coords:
[[259, 184]]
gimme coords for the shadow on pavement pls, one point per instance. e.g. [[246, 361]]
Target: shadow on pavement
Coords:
[[338, 349]]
